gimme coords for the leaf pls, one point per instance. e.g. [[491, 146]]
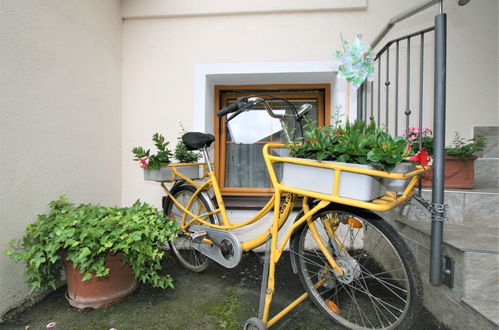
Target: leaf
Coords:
[[87, 276]]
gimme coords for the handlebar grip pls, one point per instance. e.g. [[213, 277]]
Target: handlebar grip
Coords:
[[231, 108]]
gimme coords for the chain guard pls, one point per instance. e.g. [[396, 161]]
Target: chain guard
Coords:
[[229, 258]]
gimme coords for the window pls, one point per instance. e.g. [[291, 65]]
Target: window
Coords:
[[238, 151]]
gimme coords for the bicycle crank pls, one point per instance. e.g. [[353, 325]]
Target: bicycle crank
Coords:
[[226, 249]]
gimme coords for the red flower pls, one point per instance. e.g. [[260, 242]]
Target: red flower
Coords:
[[143, 162], [422, 157], [338, 133]]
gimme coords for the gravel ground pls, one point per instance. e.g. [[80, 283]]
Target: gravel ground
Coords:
[[216, 299]]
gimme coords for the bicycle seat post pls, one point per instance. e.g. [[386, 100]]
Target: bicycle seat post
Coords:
[[207, 159]]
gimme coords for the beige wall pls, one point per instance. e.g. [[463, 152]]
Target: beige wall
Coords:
[[60, 115], [162, 47]]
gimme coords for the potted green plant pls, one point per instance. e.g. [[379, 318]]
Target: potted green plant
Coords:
[[154, 165], [188, 159], [158, 167], [181, 153], [459, 157], [356, 144], [104, 250]]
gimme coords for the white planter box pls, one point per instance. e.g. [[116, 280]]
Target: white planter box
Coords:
[[166, 173], [352, 185], [398, 186]]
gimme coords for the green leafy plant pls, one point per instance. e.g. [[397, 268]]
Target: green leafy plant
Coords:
[[154, 161], [465, 148], [357, 142], [459, 147], [86, 233], [181, 153]]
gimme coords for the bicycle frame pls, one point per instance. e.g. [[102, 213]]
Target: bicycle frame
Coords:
[[212, 184]]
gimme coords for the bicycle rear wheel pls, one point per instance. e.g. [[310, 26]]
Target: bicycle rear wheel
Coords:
[[381, 286], [182, 246]]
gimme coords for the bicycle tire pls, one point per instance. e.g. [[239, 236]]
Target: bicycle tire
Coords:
[[381, 287], [181, 247]]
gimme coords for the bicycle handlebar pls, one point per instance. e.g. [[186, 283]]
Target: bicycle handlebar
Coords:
[[231, 108], [245, 103]]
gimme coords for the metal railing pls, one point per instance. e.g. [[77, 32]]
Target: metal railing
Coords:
[[386, 108]]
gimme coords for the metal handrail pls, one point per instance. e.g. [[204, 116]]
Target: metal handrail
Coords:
[[400, 17], [408, 36]]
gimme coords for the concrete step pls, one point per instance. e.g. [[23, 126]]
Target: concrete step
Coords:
[[487, 165], [487, 173], [474, 294], [491, 150], [478, 207], [486, 308]]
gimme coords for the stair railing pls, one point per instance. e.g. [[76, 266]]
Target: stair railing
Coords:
[[368, 108]]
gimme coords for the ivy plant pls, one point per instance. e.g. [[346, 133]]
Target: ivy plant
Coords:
[[357, 142], [154, 161], [86, 233]]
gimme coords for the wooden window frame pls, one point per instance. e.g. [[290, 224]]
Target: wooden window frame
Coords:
[[323, 91]]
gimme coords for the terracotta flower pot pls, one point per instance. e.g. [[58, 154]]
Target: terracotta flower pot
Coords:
[[459, 173], [99, 292]]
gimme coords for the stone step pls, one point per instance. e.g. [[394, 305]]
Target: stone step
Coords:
[[474, 294], [486, 308], [478, 207], [487, 173], [491, 150]]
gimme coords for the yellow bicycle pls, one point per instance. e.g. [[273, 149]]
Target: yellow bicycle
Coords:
[[353, 264]]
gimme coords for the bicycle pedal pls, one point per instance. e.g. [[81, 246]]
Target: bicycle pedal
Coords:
[[198, 236]]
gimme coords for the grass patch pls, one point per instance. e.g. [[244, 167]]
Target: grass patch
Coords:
[[227, 310]]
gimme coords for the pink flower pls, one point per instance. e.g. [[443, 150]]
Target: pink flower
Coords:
[[50, 325]]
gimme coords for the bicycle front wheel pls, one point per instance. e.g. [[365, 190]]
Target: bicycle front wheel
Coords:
[[381, 286], [182, 246]]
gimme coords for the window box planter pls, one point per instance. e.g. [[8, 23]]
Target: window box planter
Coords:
[[395, 185], [317, 179], [459, 173], [165, 173]]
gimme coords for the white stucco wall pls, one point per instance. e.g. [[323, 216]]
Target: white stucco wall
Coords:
[[164, 47], [60, 74]]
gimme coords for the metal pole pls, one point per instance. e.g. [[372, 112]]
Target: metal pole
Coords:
[[438, 149]]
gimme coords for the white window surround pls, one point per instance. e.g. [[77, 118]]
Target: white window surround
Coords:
[[206, 76]]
